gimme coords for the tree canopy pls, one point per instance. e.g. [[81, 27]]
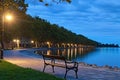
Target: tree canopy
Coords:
[[35, 28], [40, 30], [57, 1], [13, 6]]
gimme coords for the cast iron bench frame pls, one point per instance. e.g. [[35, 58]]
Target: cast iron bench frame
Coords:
[[52, 59]]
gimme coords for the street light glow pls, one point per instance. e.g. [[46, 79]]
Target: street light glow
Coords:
[[18, 41], [14, 40], [32, 41], [9, 17]]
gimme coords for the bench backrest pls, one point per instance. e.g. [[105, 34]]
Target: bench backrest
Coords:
[[51, 57], [54, 60], [54, 57]]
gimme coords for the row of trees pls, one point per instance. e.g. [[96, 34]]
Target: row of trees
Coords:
[[107, 45], [40, 30], [34, 28]]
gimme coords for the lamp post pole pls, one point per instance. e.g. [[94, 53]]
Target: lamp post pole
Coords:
[[8, 17], [2, 31]]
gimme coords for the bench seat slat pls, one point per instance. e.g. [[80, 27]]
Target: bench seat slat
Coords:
[[56, 64]]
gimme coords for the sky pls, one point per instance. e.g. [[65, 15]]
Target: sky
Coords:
[[98, 20]]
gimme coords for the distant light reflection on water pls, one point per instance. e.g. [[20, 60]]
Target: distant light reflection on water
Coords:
[[99, 56]]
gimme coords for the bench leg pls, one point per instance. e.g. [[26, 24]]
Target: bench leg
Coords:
[[65, 74], [53, 69], [44, 67], [76, 70]]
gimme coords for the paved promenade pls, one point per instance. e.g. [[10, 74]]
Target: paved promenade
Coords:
[[30, 60]]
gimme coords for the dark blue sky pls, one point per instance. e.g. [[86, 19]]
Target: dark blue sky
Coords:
[[96, 19]]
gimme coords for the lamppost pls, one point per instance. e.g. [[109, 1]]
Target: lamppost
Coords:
[[17, 42], [32, 43], [4, 17]]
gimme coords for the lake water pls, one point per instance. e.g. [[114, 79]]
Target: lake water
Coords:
[[99, 56], [102, 56]]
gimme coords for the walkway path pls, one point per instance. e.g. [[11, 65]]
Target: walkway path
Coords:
[[27, 59]]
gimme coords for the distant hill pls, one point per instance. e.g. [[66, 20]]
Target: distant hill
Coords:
[[107, 45]]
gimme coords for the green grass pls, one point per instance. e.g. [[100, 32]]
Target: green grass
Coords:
[[10, 71]]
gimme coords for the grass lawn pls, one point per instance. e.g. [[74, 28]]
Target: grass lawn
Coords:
[[10, 71]]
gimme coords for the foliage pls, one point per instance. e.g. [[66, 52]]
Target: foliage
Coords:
[[13, 6], [9, 71], [55, 1], [107, 45], [37, 29], [42, 31]]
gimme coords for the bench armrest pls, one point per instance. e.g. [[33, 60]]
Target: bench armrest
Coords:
[[75, 64], [69, 62]]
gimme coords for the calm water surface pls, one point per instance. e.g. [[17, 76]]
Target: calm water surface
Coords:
[[102, 56], [99, 56]]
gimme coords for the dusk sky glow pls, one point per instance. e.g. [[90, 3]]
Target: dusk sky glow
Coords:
[[96, 19]]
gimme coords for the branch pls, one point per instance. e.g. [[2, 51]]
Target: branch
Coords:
[[55, 1]]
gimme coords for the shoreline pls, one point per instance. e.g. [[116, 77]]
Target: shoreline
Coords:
[[108, 67], [85, 72]]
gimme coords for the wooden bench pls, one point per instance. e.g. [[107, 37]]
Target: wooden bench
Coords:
[[60, 61]]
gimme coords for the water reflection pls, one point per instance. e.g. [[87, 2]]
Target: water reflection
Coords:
[[99, 56], [69, 53]]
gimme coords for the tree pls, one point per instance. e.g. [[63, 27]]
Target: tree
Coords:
[[15, 7], [57, 1], [38, 29], [54, 1]]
